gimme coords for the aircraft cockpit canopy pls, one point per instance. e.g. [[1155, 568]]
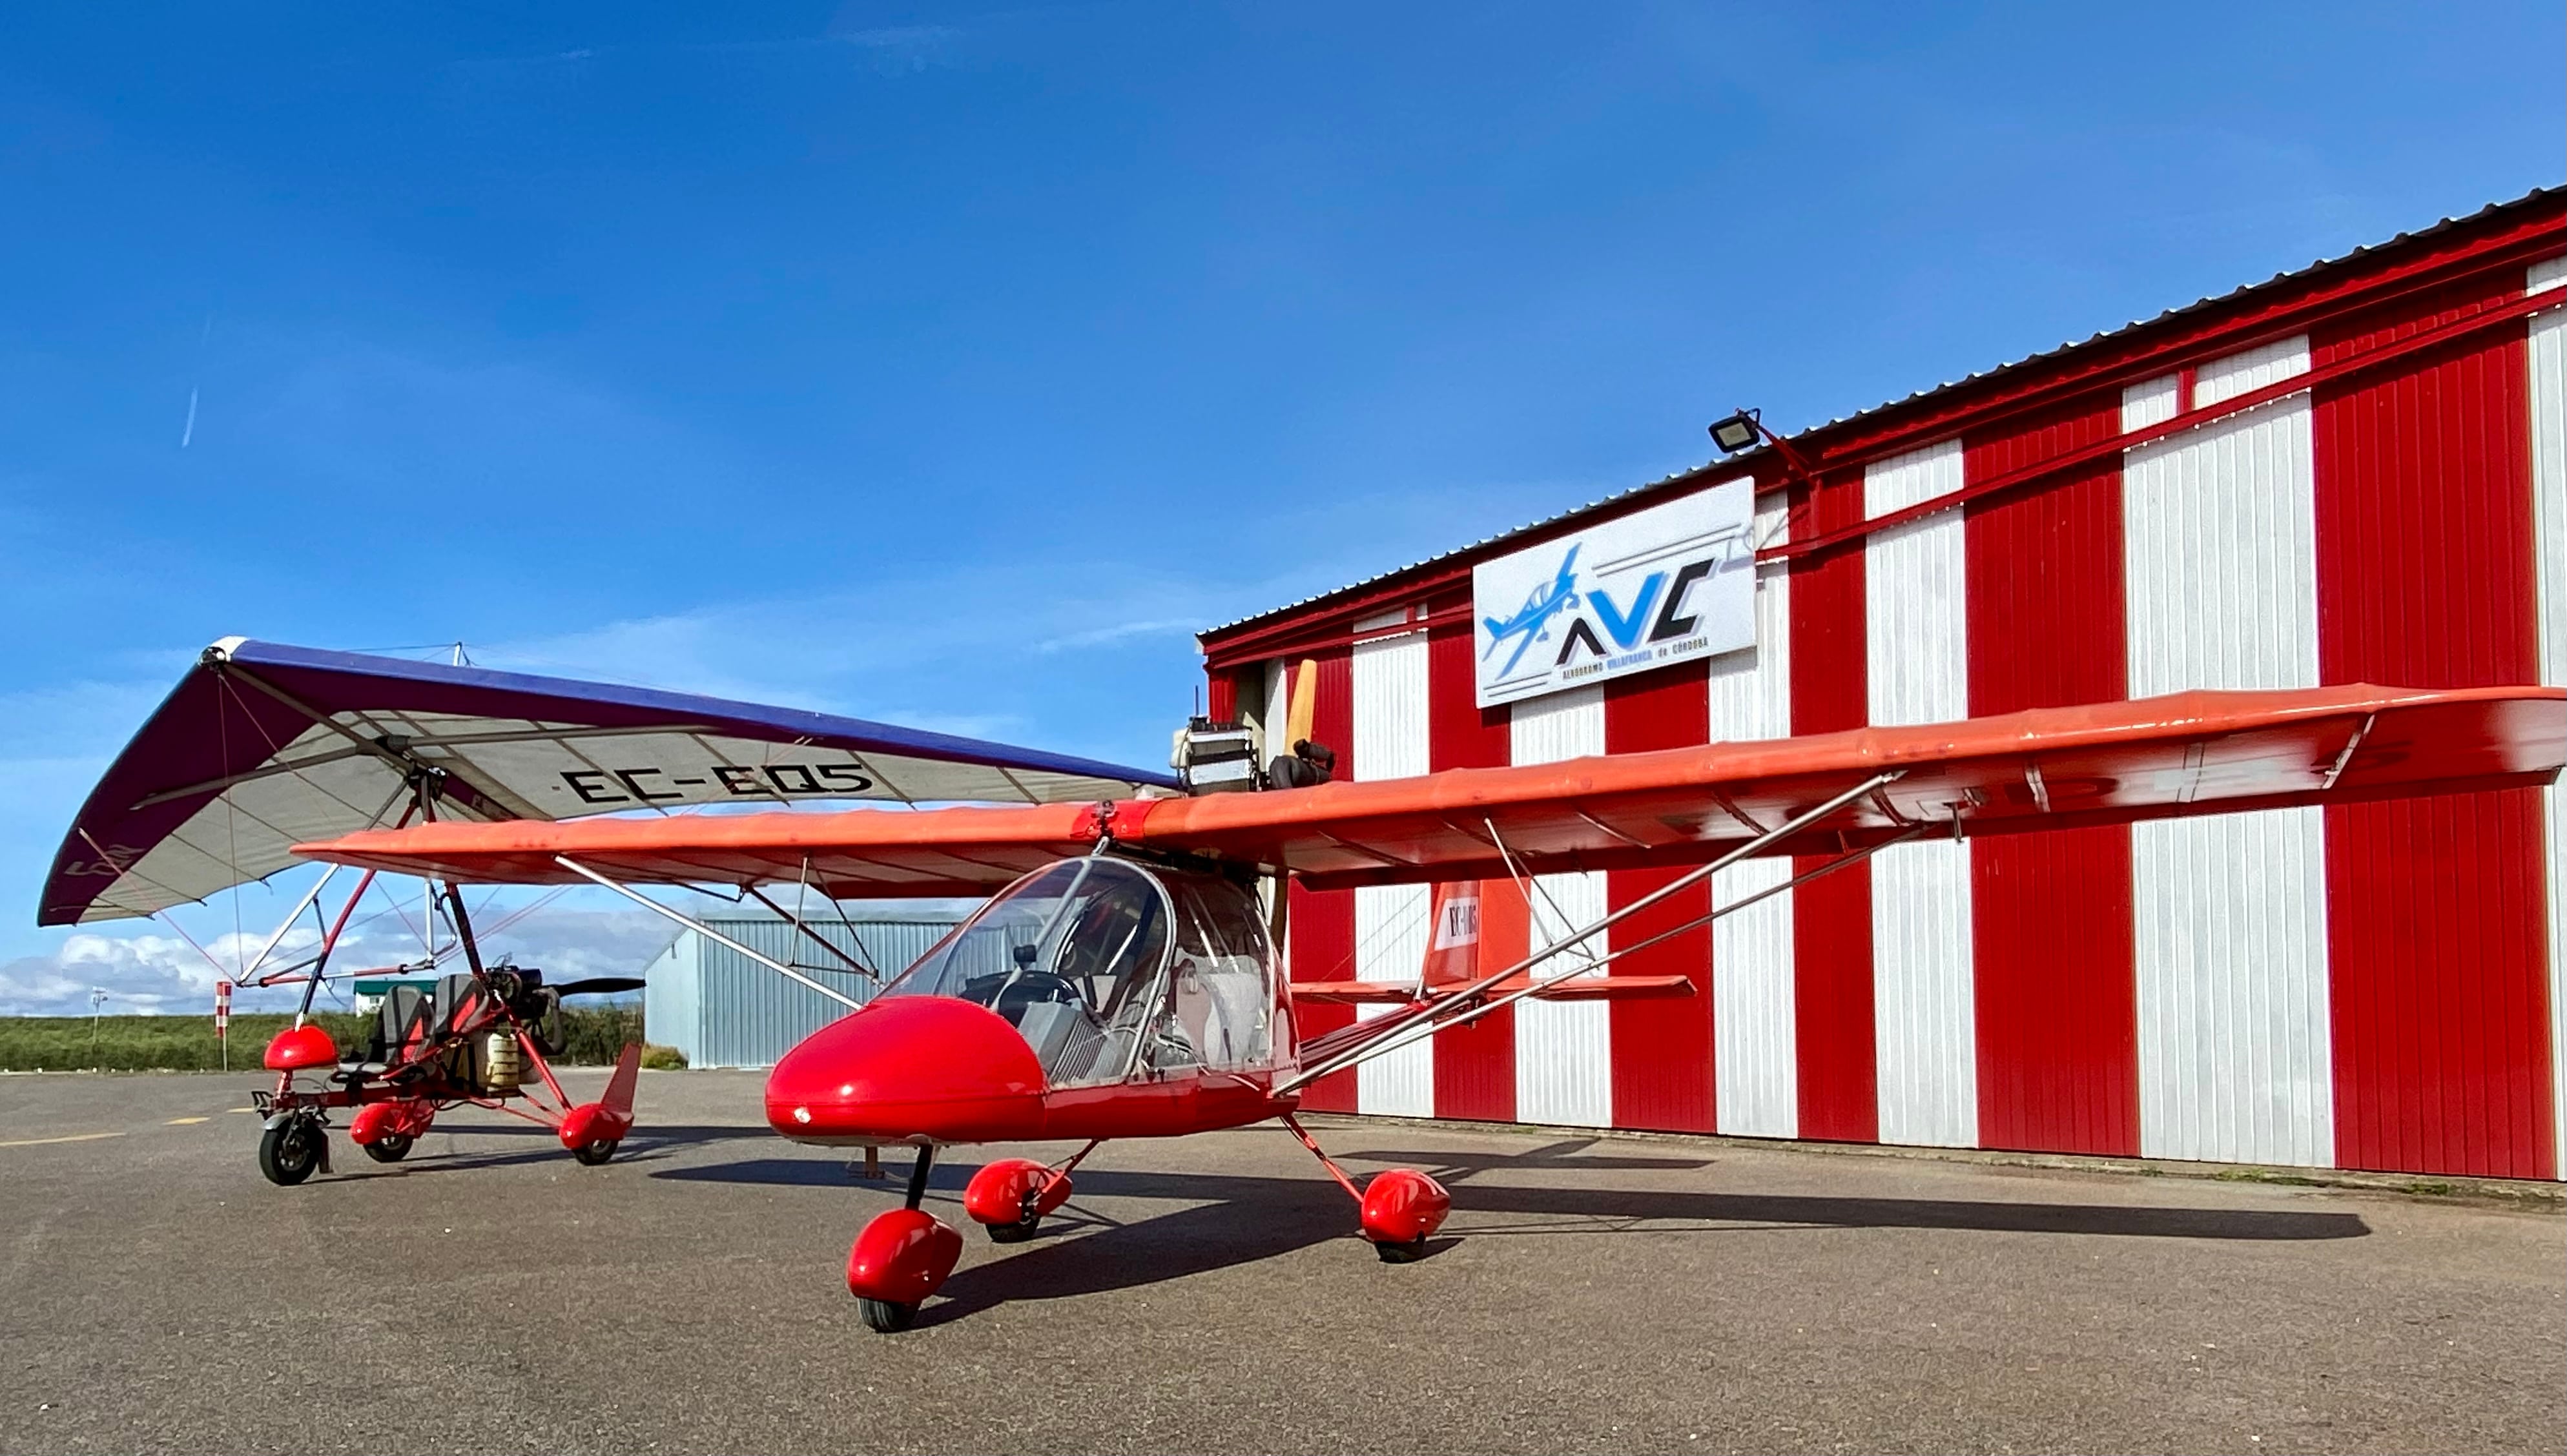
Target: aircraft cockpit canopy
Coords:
[[1112, 969]]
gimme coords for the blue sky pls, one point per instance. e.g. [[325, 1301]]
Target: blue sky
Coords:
[[950, 365]]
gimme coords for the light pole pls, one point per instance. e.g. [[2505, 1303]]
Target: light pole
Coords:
[[97, 999]]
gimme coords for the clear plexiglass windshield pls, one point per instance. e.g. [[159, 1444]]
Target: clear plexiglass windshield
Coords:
[[1111, 971]]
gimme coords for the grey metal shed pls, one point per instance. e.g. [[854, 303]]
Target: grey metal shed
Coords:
[[722, 1009]]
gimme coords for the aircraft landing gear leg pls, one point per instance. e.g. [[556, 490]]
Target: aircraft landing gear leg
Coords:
[[1400, 1208], [918, 1174], [902, 1257]]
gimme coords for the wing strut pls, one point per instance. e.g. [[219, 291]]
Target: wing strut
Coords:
[[702, 929], [1387, 1031], [1408, 1031], [804, 928]]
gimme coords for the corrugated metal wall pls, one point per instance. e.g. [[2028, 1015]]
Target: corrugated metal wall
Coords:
[[1390, 742], [1834, 1036], [1563, 1048], [2547, 366], [1320, 931], [672, 1007], [2370, 986], [724, 1009], [1751, 1015], [1475, 1066], [2227, 912], [2052, 962], [2438, 944], [1664, 1070], [1918, 671]]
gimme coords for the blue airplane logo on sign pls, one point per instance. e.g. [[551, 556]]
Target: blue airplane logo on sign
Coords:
[[1661, 594], [1532, 621]]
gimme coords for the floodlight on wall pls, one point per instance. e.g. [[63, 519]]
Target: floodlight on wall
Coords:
[[1737, 433]]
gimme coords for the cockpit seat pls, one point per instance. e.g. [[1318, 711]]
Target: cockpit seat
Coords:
[[401, 1009], [455, 996]]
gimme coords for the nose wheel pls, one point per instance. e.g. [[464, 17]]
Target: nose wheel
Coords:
[[292, 1149], [901, 1258], [886, 1316]]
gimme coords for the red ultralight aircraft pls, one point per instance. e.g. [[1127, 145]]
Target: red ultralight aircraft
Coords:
[[1123, 982]]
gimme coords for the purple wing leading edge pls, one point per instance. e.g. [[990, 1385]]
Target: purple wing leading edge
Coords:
[[262, 746]]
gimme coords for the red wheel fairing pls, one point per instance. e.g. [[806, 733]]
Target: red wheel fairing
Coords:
[[997, 1194], [377, 1121], [594, 1122], [1403, 1206], [902, 1257]]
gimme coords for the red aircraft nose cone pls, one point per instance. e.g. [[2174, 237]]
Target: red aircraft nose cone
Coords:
[[909, 1069]]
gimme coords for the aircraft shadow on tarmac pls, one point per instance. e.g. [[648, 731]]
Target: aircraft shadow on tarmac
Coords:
[[347, 1166], [645, 1145], [1232, 1219], [652, 1134]]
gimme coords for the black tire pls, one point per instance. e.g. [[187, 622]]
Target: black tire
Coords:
[[885, 1316], [390, 1150], [290, 1151], [593, 1153], [1015, 1233], [1408, 1253]]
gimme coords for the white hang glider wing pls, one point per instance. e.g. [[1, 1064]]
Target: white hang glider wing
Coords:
[[263, 745]]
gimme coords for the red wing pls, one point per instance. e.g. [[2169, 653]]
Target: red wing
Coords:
[[856, 853], [2186, 754], [2057, 767]]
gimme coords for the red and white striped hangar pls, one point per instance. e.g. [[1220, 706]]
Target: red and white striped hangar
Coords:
[[2351, 473]]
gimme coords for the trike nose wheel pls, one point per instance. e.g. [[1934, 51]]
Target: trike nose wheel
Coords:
[[289, 1151]]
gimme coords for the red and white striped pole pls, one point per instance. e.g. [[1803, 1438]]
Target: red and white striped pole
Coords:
[[223, 1020]]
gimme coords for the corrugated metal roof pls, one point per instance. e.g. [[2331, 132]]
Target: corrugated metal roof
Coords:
[[1742, 458]]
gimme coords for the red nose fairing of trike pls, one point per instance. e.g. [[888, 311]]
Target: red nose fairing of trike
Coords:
[[909, 1069]]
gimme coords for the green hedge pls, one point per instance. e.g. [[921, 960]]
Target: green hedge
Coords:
[[186, 1043]]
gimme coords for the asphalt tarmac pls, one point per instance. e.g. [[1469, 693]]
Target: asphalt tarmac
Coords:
[[1209, 1295]]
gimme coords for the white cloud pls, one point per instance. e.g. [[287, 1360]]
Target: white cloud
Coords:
[[140, 973], [893, 49], [899, 37], [148, 972], [1121, 632]]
